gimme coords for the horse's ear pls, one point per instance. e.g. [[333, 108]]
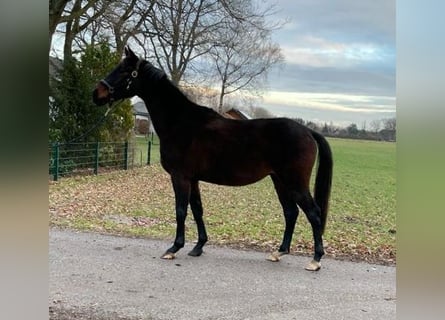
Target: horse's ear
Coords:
[[129, 52]]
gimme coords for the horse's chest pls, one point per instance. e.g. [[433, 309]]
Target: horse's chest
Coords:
[[172, 158]]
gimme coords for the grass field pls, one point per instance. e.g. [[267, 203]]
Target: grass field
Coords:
[[361, 223]]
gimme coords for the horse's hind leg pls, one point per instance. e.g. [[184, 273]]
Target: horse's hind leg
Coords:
[[196, 206], [312, 211], [287, 199]]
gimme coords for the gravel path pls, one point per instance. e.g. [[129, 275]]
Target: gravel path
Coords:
[[98, 277]]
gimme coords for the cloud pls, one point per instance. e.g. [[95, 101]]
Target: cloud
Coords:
[[341, 20], [338, 46], [339, 109], [332, 102], [373, 80], [337, 32], [319, 52]]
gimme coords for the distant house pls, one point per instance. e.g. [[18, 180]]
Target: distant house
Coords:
[[236, 114], [140, 110], [55, 66], [142, 121]]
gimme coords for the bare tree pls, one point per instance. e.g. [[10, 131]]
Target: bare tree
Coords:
[[249, 13], [56, 8], [375, 125], [124, 20], [244, 55], [72, 17], [389, 124], [84, 22], [65, 11], [180, 32]]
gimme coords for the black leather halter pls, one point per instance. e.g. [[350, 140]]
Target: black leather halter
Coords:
[[133, 75]]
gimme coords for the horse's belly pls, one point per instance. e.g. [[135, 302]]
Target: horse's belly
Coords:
[[236, 177]]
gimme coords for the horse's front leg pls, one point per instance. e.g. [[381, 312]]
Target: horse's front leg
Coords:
[[181, 187]]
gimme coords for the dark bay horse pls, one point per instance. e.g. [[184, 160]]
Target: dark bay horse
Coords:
[[198, 144]]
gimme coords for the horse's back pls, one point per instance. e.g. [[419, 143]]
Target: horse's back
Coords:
[[239, 152]]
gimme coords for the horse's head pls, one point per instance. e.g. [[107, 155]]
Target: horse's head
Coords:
[[121, 83]]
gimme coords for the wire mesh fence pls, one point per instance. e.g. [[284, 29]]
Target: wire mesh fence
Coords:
[[97, 157]]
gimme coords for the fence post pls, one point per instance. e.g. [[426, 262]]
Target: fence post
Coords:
[[148, 152], [96, 158], [56, 161], [126, 156]]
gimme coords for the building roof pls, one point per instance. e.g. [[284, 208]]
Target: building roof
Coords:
[[139, 109], [236, 114]]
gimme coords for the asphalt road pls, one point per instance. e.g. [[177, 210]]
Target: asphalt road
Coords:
[[100, 277]]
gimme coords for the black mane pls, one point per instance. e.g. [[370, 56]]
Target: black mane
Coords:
[[175, 99], [152, 72]]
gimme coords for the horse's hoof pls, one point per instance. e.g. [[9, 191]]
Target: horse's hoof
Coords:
[[168, 256], [195, 253], [313, 266], [275, 256]]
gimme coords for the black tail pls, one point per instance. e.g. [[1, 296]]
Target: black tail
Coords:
[[323, 179]]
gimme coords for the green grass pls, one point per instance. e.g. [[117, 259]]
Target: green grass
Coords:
[[141, 146], [361, 222], [363, 205]]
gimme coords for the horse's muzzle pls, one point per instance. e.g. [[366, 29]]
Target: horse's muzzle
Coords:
[[101, 95]]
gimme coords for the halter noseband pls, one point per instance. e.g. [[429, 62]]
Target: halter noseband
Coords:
[[129, 80]]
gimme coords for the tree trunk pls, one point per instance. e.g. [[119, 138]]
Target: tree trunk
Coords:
[[221, 98], [55, 13], [67, 45]]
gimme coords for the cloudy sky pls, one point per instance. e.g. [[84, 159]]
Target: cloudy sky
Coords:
[[340, 61]]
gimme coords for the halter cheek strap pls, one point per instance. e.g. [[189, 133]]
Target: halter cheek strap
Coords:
[[134, 74]]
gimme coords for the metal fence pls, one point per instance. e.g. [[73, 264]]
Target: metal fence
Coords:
[[94, 158]]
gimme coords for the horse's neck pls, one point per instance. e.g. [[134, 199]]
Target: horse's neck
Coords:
[[168, 108]]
